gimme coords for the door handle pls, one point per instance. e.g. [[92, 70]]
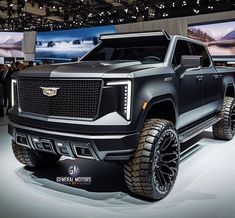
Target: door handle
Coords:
[[216, 76], [199, 78]]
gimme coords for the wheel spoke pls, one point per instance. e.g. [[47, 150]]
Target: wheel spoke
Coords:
[[169, 154], [171, 169], [169, 157], [174, 145], [161, 176], [171, 160], [167, 143], [168, 174]]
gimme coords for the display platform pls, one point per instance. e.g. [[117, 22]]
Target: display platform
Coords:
[[205, 186]]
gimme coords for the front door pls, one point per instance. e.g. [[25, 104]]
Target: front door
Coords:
[[190, 89]]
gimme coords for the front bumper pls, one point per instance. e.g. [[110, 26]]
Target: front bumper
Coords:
[[98, 147]]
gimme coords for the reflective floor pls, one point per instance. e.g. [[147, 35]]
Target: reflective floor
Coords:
[[205, 186]]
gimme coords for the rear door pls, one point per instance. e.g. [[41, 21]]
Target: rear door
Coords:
[[190, 88], [211, 80]]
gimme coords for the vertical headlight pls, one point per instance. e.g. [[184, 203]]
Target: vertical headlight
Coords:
[[124, 92], [13, 88]]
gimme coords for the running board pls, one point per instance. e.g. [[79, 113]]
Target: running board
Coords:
[[190, 133]]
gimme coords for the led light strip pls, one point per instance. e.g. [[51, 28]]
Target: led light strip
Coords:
[[131, 35], [13, 83], [128, 83]]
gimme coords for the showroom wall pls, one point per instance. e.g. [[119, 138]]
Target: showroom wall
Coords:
[[171, 25], [175, 25]]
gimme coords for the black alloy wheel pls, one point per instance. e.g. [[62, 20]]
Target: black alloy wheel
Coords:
[[166, 161], [152, 171], [225, 128]]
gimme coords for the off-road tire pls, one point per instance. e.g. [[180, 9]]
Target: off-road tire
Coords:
[[150, 166], [225, 128], [32, 158]]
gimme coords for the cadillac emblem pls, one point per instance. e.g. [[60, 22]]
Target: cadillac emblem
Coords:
[[49, 91]]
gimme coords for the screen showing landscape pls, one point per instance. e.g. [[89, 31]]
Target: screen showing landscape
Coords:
[[11, 44], [69, 44], [219, 37]]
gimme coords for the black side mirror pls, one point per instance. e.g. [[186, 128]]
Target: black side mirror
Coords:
[[188, 62]]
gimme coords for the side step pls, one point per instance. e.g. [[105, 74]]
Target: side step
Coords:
[[190, 133]]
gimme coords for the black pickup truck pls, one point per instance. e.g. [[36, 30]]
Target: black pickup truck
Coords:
[[133, 99]]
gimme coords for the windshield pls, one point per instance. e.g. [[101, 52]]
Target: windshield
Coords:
[[138, 50]]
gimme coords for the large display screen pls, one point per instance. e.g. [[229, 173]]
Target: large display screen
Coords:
[[11, 44], [69, 44], [219, 37]]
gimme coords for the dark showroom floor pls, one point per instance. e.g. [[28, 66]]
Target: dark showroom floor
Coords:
[[205, 186]]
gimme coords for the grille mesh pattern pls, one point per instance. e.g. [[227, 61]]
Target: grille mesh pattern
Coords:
[[75, 98]]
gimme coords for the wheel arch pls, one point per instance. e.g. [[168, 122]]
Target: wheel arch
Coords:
[[163, 107], [229, 90]]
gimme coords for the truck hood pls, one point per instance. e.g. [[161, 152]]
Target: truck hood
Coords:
[[86, 69]]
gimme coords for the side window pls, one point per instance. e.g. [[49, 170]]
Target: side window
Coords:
[[103, 54], [200, 50], [182, 48]]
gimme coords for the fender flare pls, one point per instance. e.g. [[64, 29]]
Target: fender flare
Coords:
[[157, 100], [229, 84]]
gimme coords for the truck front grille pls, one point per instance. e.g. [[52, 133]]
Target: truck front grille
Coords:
[[74, 99]]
